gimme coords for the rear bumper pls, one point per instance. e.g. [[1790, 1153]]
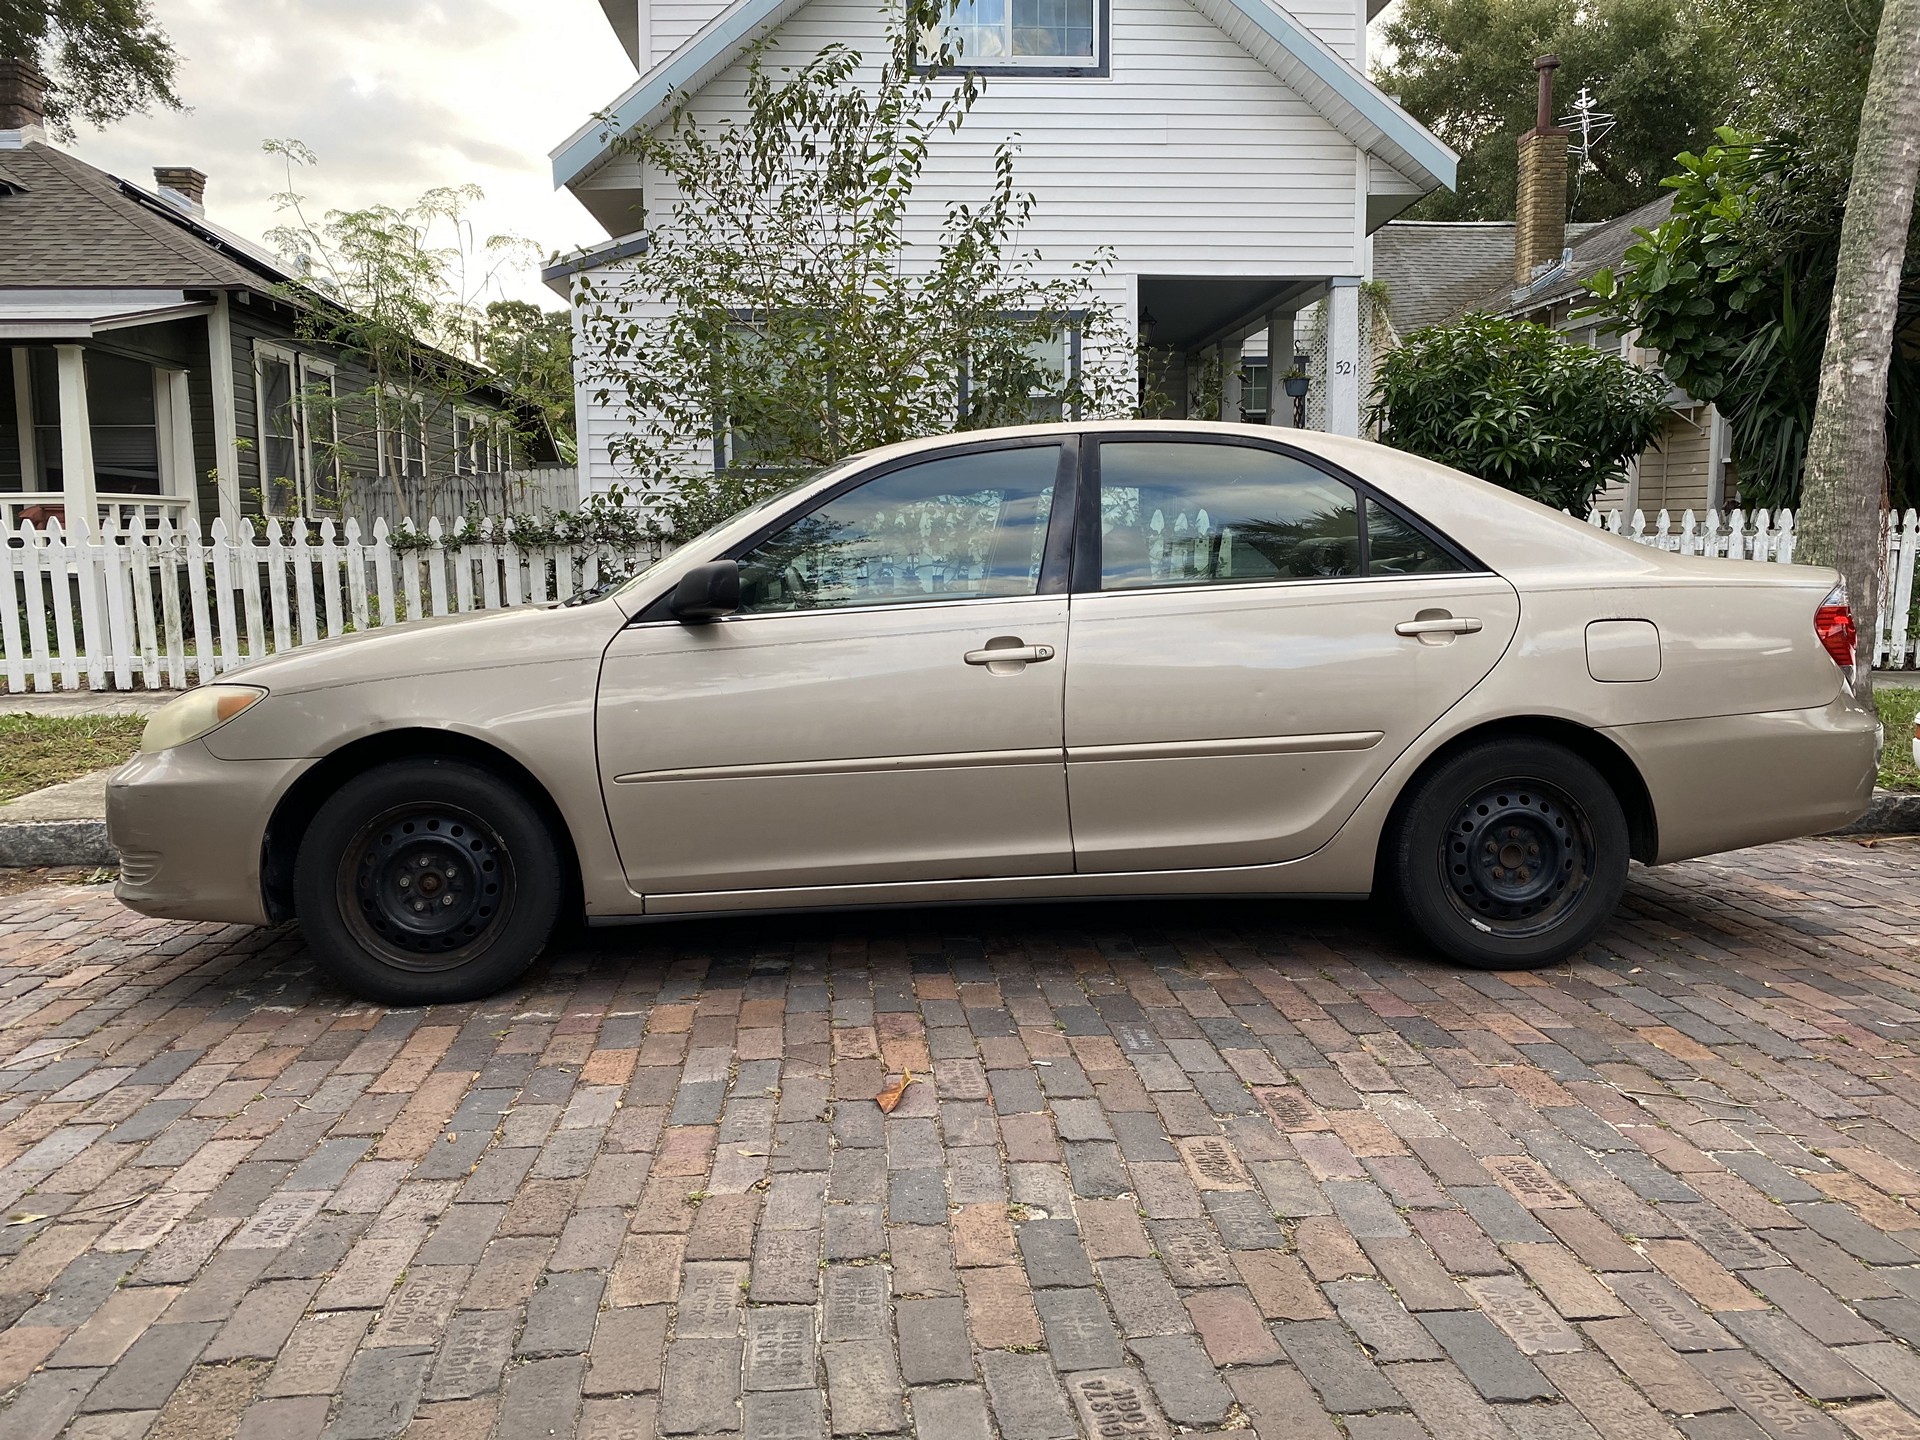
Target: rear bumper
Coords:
[[189, 828], [1730, 781]]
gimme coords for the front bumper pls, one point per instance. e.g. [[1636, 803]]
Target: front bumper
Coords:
[[1729, 781], [189, 828]]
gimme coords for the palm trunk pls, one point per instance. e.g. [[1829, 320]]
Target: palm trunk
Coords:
[[1844, 492]]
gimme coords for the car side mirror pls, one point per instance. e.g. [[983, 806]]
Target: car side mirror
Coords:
[[707, 592]]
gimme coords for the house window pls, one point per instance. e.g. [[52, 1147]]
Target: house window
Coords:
[[279, 434], [1045, 36], [320, 434], [122, 419], [479, 444], [1029, 387], [403, 441], [1255, 390]]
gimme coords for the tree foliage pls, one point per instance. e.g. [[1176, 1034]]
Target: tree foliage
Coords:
[[1515, 404], [1465, 69], [531, 350], [799, 301], [402, 291], [103, 59], [1733, 291]]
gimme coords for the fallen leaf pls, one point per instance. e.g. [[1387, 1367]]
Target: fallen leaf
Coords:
[[24, 1219], [890, 1097]]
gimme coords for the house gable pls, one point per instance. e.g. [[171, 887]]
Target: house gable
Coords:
[[1328, 83]]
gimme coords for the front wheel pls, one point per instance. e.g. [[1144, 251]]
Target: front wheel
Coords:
[[427, 881], [1510, 854]]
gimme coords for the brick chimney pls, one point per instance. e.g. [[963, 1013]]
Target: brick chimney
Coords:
[[1540, 206], [23, 103], [183, 186]]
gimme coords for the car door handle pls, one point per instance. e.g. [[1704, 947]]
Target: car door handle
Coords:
[[1009, 655], [1448, 626]]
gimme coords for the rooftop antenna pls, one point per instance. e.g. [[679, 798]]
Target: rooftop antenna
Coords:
[[1588, 125]]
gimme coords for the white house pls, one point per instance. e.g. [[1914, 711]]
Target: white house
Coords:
[[1231, 154]]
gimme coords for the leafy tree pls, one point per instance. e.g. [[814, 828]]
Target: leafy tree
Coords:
[[1513, 403], [1733, 291], [400, 290], [1845, 487], [532, 351], [1465, 69], [103, 59], [796, 302]]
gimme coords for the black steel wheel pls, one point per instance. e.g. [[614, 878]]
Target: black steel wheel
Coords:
[[1517, 856], [425, 881], [1510, 854], [430, 885]]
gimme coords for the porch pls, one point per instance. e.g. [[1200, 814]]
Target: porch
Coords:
[[100, 392], [1222, 347]]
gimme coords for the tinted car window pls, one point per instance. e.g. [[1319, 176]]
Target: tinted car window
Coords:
[[960, 527], [1396, 548], [1200, 514]]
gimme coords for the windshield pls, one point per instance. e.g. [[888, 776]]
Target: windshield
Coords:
[[620, 585]]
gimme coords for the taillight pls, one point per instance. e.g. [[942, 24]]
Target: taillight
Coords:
[[1833, 623]]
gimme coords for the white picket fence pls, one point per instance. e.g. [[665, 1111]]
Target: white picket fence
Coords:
[[1760, 536], [163, 608]]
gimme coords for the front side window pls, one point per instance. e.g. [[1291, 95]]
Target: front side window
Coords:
[[1203, 514], [956, 528], [1021, 34]]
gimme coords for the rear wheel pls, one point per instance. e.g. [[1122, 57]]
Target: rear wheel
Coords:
[[427, 881], [1510, 854]]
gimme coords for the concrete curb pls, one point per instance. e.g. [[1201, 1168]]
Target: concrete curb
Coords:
[[56, 842], [84, 842], [1893, 812]]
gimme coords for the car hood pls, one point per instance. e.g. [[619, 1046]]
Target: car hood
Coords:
[[444, 644]]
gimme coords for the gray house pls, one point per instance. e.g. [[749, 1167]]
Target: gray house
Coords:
[[151, 364]]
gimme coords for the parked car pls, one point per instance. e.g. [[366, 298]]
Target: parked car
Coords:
[[1111, 659]]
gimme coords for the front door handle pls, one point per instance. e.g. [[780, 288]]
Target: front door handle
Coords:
[[1448, 626], [1015, 654]]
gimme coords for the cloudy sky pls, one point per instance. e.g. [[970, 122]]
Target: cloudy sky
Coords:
[[394, 96]]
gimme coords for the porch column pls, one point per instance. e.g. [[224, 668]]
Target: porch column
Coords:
[[76, 438], [23, 413], [1279, 361], [1343, 355], [1231, 393]]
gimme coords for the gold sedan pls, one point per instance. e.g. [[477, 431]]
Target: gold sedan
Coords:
[[1110, 659]]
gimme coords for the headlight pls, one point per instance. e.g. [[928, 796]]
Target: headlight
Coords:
[[196, 713]]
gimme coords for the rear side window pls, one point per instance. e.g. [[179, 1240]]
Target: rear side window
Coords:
[[1207, 514]]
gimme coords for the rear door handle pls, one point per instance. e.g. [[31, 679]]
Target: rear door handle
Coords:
[[1009, 655], [1450, 626]]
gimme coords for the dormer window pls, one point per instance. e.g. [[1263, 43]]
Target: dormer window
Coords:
[[1030, 37]]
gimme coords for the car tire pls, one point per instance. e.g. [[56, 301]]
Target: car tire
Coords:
[[1510, 854], [427, 881]]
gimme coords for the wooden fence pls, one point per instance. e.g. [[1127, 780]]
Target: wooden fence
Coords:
[[1761, 536], [163, 608]]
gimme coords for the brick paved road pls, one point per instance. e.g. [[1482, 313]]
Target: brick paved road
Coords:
[[1238, 1167]]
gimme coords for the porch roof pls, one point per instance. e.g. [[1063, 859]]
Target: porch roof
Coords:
[[1338, 91], [59, 314]]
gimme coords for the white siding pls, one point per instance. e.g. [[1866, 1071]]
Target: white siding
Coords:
[[677, 21], [1190, 159], [1340, 25]]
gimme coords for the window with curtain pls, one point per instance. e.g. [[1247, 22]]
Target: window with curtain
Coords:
[[1021, 34]]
